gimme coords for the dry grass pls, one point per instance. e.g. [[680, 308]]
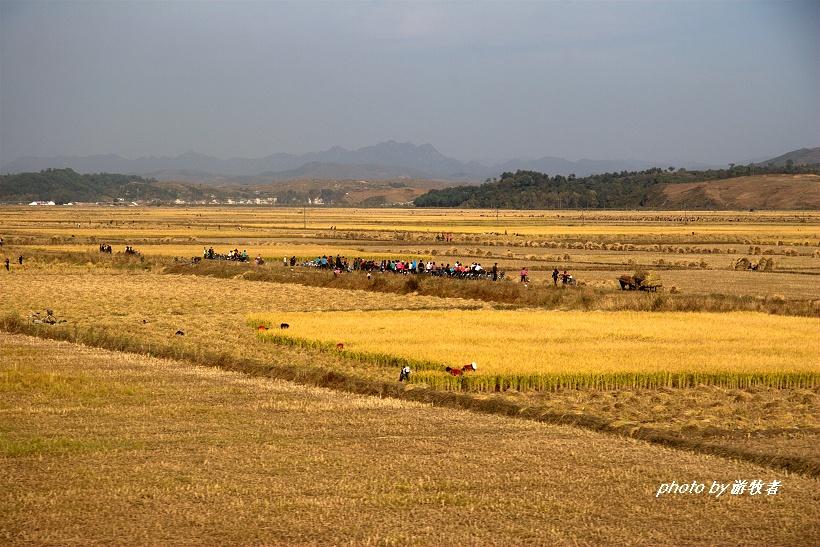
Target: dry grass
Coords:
[[539, 294], [159, 452], [760, 285], [761, 191], [708, 412]]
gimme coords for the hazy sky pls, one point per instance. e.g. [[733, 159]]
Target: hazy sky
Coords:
[[695, 81]]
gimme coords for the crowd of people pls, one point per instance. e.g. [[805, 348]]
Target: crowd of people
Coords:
[[209, 254], [444, 237], [401, 266], [566, 278], [474, 270], [339, 264]]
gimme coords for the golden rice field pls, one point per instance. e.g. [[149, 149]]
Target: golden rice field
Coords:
[[545, 350], [245, 222]]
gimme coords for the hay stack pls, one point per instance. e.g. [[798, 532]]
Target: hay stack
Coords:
[[765, 264], [651, 279]]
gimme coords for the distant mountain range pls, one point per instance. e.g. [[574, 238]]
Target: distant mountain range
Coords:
[[67, 186], [785, 182], [387, 160]]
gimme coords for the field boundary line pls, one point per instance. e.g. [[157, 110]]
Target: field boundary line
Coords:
[[498, 295], [507, 294], [339, 381]]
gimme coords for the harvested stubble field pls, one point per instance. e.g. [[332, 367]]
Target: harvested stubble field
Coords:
[[270, 251], [692, 251], [242, 222], [795, 278], [551, 350], [137, 305], [140, 311], [783, 284], [186, 454], [145, 309]]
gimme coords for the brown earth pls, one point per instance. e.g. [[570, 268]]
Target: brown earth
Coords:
[[755, 192]]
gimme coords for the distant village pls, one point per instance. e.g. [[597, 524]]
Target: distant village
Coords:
[[290, 201], [121, 202]]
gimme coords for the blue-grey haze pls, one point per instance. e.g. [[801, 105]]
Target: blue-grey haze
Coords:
[[692, 81]]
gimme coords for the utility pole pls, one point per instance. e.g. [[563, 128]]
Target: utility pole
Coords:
[[304, 216]]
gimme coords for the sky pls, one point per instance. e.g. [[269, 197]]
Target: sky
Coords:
[[712, 82]]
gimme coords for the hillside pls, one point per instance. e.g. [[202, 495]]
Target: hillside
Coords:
[[330, 171], [753, 192], [776, 187], [352, 193], [804, 156], [736, 188], [66, 185]]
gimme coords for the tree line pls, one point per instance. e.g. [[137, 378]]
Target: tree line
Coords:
[[619, 190], [66, 185]]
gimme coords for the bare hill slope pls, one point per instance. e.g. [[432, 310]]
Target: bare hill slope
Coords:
[[803, 156], [754, 192]]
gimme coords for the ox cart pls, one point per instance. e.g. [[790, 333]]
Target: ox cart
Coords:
[[640, 282]]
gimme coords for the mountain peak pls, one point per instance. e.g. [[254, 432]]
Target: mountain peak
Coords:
[[803, 156], [190, 154]]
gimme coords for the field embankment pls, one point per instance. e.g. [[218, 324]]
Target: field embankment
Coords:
[[510, 293]]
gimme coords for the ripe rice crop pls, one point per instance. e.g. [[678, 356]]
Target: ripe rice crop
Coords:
[[267, 222], [549, 350]]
